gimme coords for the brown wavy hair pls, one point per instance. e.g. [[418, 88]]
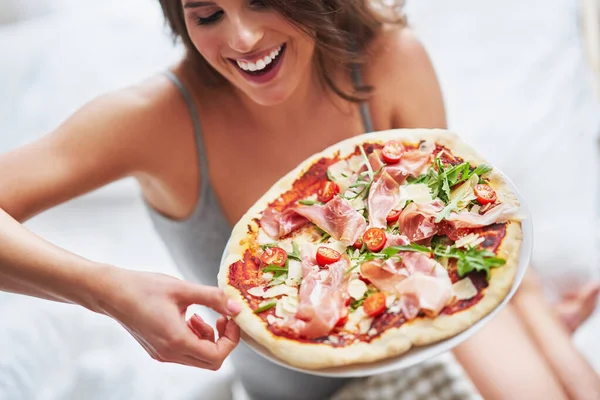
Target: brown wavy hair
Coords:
[[341, 29]]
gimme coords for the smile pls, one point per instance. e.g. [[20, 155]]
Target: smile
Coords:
[[263, 68]]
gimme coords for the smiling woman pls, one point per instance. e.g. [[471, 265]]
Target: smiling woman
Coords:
[[337, 32], [264, 85]]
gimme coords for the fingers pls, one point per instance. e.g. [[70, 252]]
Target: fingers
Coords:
[[221, 324], [214, 353], [229, 338], [201, 328], [214, 298]]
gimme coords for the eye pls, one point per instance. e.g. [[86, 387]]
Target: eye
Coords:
[[214, 17]]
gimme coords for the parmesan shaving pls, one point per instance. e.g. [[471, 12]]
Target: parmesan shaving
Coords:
[[294, 273], [418, 193], [365, 325], [389, 300], [286, 307], [357, 289], [257, 291], [471, 240], [464, 289], [278, 291]]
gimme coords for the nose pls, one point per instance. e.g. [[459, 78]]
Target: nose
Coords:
[[245, 34]]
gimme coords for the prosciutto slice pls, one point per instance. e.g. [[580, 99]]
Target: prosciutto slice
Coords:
[[409, 305], [397, 173], [467, 219], [322, 297], [338, 218], [433, 293], [384, 277], [420, 282], [277, 224], [383, 197], [396, 240], [417, 221], [416, 162], [413, 163]]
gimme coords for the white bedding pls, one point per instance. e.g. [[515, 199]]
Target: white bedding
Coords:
[[515, 85]]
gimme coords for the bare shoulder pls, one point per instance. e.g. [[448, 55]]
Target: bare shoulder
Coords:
[[406, 86], [109, 138]]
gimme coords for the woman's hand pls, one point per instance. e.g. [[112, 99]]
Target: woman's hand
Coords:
[[152, 308]]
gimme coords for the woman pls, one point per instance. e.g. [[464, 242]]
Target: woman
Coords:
[[264, 84]]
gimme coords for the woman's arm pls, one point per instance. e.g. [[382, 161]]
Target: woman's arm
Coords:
[[110, 138]]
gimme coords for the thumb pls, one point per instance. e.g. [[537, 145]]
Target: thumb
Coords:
[[214, 298]]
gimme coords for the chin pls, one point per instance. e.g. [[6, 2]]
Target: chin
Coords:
[[269, 97]]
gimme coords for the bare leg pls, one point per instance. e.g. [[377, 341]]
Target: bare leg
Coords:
[[553, 338], [576, 307], [503, 362]]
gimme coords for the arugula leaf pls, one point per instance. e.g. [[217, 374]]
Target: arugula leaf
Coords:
[[480, 170], [325, 238], [413, 247], [265, 305], [266, 246], [384, 255], [441, 179], [329, 176], [275, 268], [420, 179], [462, 195], [366, 187], [295, 254], [470, 259], [389, 252], [278, 279], [367, 163], [354, 304]]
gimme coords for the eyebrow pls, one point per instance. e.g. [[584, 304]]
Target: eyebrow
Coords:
[[196, 4]]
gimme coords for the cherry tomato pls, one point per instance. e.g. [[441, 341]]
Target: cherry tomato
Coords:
[[327, 191], [393, 216], [485, 194], [358, 244], [326, 255], [374, 305], [392, 152], [375, 239], [274, 255]]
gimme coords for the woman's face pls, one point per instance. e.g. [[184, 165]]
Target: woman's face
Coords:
[[251, 45]]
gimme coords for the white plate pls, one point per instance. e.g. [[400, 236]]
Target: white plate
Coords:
[[419, 354]]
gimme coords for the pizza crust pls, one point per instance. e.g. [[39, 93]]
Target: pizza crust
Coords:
[[393, 341]]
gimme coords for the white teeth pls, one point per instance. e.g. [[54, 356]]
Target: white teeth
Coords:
[[260, 63]]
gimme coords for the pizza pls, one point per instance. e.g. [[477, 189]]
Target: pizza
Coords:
[[379, 243]]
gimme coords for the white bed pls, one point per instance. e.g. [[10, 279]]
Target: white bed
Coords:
[[516, 87]]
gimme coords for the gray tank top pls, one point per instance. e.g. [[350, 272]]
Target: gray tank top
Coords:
[[196, 243]]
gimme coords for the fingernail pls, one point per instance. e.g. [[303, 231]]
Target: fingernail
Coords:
[[233, 306]]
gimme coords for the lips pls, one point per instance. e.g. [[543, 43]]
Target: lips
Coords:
[[260, 66]]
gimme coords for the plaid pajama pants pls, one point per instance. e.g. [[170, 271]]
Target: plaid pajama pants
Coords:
[[440, 378]]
